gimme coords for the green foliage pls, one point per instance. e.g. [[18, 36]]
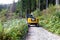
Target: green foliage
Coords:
[[51, 20], [37, 13], [14, 29], [2, 15], [23, 5], [57, 14], [1, 28]]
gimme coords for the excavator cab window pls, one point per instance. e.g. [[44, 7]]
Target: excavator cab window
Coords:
[[30, 16]]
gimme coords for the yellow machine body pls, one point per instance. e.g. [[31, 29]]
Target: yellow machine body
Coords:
[[30, 21]]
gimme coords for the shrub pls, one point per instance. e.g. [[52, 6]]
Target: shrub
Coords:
[[1, 26], [51, 20], [37, 13], [14, 29], [2, 15]]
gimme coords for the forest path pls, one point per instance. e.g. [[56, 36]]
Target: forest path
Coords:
[[39, 33]]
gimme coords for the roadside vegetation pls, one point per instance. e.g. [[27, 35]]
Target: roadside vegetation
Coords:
[[15, 29], [12, 29], [50, 19]]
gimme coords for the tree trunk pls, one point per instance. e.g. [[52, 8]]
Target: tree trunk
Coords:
[[39, 4], [46, 3], [57, 2], [34, 5], [29, 6]]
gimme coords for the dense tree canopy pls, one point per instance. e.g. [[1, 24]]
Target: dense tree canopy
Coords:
[[31, 5]]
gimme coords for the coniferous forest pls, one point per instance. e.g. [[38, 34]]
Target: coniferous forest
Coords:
[[13, 20]]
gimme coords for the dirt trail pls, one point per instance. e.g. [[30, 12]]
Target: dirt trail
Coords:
[[39, 33]]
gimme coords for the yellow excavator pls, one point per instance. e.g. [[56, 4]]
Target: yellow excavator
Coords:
[[31, 20]]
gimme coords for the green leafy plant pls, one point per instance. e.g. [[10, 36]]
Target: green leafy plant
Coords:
[[15, 29], [51, 20]]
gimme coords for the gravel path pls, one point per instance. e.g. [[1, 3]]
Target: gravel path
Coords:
[[38, 33]]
